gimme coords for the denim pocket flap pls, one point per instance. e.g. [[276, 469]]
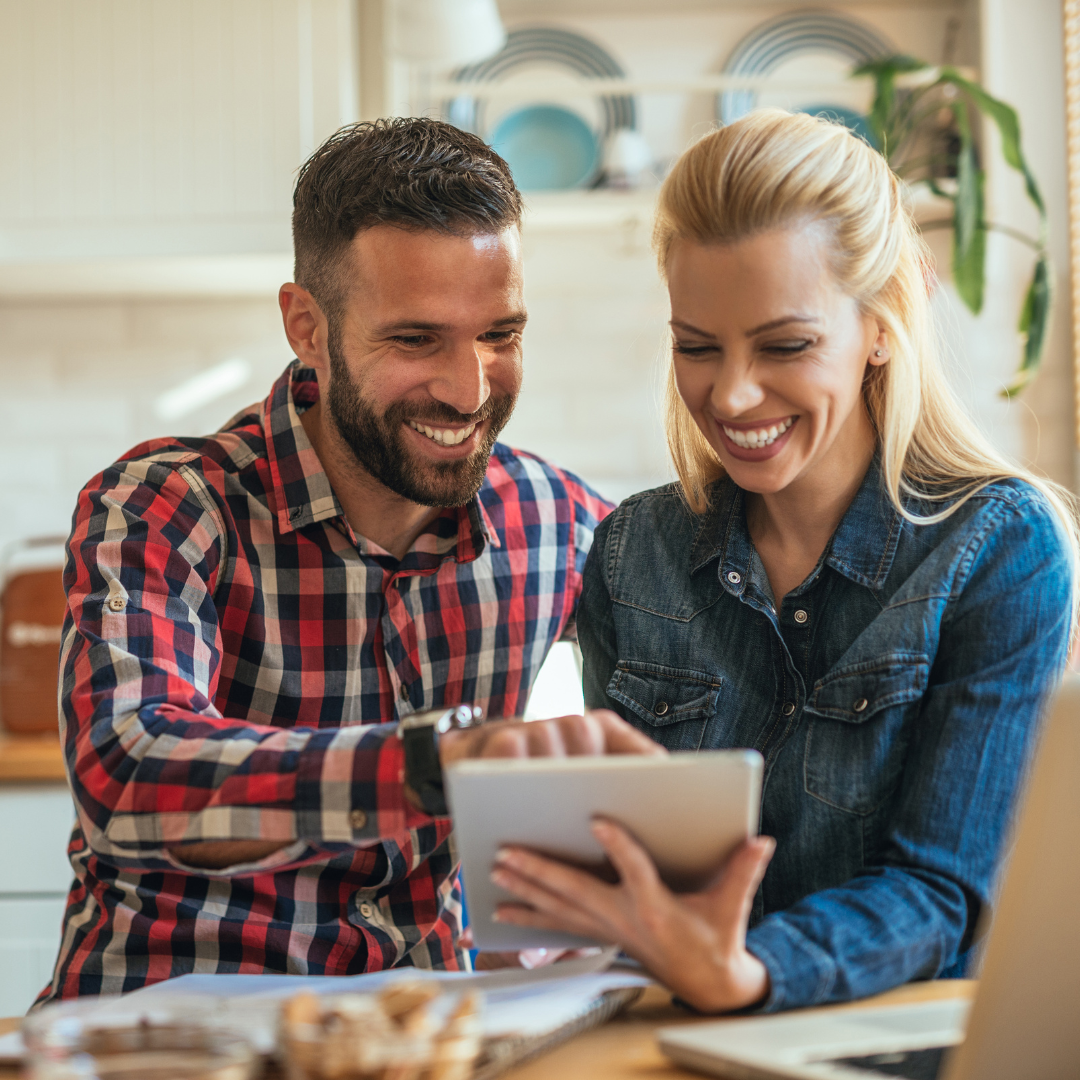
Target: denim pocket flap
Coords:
[[663, 695], [856, 692]]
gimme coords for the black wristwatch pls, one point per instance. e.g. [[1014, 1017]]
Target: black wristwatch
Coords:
[[419, 735]]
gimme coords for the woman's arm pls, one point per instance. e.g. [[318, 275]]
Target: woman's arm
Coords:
[[595, 625], [1004, 636]]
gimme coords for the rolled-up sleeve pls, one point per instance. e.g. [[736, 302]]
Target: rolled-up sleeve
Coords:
[[151, 761]]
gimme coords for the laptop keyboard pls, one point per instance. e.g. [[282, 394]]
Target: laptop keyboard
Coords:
[[912, 1064]]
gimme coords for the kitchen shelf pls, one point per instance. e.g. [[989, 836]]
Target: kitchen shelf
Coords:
[[31, 758]]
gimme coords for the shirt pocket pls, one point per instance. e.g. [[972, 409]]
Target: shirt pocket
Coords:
[[858, 733], [671, 705]]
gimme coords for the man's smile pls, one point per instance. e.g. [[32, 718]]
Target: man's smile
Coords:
[[443, 436]]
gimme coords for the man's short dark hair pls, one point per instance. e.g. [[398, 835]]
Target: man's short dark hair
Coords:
[[413, 173]]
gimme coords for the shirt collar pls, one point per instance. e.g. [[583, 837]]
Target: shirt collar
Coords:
[[862, 548], [303, 495]]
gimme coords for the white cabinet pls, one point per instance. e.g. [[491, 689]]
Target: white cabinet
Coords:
[[164, 129], [35, 822]]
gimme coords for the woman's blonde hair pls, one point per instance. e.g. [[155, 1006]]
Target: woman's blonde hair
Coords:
[[772, 169]]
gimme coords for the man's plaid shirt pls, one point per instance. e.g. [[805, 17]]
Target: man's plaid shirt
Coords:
[[234, 658]]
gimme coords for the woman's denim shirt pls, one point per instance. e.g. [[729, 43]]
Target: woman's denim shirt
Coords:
[[895, 697]]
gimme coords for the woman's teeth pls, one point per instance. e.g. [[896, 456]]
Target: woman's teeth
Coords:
[[443, 436], [752, 440]]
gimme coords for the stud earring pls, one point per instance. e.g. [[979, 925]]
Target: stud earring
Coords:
[[877, 352]]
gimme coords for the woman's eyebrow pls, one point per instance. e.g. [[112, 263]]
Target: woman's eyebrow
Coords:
[[679, 324], [774, 323]]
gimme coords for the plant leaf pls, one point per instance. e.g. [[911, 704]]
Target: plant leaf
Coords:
[[1008, 124], [1034, 320], [969, 232], [884, 72]]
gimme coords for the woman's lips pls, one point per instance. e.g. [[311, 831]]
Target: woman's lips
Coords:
[[756, 440]]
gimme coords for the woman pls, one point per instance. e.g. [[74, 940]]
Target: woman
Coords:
[[847, 577]]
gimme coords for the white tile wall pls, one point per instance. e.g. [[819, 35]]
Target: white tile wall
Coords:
[[79, 377]]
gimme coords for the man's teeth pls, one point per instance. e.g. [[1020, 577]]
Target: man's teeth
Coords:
[[752, 440], [443, 436]]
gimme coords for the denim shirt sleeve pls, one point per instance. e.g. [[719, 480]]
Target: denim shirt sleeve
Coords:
[[1003, 644], [596, 627]]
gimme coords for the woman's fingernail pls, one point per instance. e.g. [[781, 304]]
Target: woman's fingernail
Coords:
[[500, 878], [503, 855], [601, 829], [495, 916]]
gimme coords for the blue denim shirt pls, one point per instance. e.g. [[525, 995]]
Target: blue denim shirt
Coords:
[[895, 696]]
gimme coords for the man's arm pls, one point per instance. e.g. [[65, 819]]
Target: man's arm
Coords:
[[152, 762]]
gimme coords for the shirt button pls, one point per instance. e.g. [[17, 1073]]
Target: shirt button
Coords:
[[117, 603], [788, 708], [366, 910], [860, 705], [734, 577], [801, 616], [661, 708], [358, 819]]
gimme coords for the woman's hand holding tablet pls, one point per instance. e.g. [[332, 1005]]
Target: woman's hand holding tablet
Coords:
[[694, 943]]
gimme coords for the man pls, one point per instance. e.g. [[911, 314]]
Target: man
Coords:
[[255, 617]]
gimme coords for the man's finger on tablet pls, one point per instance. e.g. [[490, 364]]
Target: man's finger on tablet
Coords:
[[545, 739], [623, 738], [581, 734], [507, 740]]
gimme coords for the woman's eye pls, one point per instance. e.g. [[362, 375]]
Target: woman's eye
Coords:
[[693, 350], [788, 348]]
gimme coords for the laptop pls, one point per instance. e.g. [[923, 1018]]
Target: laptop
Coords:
[[1024, 1023]]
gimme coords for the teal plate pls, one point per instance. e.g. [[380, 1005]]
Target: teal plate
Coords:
[[547, 148]]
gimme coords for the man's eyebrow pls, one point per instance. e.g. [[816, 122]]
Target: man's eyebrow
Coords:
[[407, 327]]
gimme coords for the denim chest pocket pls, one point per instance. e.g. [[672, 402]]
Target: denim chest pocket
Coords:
[[858, 732], [671, 705]]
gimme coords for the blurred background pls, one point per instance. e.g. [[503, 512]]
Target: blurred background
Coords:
[[148, 150]]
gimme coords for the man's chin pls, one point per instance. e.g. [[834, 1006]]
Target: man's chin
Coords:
[[442, 484]]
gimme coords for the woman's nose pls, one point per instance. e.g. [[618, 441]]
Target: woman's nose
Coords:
[[735, 390]]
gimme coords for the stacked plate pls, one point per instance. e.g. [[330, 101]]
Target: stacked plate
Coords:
[[548, 146], [811, 47]]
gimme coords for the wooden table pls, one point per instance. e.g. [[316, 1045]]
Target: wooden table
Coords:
[[625, 1048]]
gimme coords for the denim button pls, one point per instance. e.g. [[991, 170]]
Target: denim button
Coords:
[[801, 616], [661, 708], [734, 577], [860, 705], [788, 709]]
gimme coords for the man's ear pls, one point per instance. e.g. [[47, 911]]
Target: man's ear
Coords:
[[305, 326]]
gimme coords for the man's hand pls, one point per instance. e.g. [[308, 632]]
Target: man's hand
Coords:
[[598, 732]]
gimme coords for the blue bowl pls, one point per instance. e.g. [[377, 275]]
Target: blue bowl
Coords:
[[547, 148]]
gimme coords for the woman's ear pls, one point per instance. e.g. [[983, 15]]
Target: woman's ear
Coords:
[[879, 351]]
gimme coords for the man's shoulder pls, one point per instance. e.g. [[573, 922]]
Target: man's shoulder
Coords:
[[231, 450], [518, 476]]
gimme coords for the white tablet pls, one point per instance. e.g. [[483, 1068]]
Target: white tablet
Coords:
[[690, 811]]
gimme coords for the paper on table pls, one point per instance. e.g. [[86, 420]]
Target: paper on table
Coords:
[[517, 1001]]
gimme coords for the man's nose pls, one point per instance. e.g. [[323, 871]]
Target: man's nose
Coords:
[[462, 382], [736, 388]]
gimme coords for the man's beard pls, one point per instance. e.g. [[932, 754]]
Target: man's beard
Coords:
[[379, 442]]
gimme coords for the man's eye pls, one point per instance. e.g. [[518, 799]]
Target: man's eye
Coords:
[[693, 350], [499, 337], [411, 340]]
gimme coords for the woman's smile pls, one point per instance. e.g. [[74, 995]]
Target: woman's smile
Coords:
[[756, 440]]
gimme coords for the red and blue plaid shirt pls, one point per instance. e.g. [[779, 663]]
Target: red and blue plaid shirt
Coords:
[[234, 660]]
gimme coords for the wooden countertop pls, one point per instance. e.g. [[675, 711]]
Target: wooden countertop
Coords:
[[26, 758], [625, 1048]]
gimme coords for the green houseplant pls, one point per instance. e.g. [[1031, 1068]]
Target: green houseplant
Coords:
[[927, 133]]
